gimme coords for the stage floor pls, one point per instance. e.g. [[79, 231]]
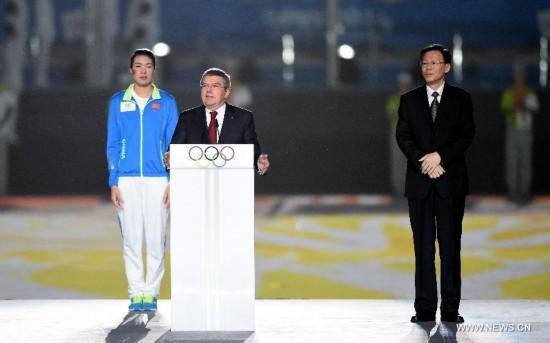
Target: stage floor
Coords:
[[280, 321], [307, 247], [68, 250]]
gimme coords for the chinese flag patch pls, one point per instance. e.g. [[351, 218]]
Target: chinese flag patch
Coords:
[[156, 106]]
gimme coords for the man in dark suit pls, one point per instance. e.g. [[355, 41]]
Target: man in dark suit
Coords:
[[216, 121], [434, 129]]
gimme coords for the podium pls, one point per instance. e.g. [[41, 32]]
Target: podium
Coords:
[[212, 237]]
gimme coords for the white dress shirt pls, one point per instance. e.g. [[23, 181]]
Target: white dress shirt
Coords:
[[219, 118], [439, 91]]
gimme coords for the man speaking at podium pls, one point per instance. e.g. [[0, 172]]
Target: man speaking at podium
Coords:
[[216, 121]]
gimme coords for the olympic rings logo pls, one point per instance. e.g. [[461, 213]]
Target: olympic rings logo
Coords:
[[211, 156]]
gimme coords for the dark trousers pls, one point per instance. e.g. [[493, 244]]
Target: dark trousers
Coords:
[[437, 218]]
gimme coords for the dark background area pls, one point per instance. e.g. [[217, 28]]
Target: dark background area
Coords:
[[319, 142], [326, 130]]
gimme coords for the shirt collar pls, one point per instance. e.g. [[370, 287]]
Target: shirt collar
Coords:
[[128, 94], [220, 111], [219, 116], [439, 91]]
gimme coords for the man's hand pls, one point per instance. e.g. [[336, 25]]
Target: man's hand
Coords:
[[116, 197], [437, 172], [430, 162], [166, 196], [263, 164], [167, 159]]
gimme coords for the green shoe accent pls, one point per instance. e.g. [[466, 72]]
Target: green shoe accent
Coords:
[[136, 303], [149, 303]]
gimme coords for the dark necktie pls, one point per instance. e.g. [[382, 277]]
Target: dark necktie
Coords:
[[213, 128], [435, 105]]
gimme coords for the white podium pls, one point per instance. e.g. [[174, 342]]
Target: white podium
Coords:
[[212, 237]]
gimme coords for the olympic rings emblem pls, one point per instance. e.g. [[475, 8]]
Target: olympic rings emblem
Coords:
[[211, 155]]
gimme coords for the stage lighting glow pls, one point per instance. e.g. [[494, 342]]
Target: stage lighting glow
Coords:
[[161, 49], [346, 52], [458, 57], [288, 49]]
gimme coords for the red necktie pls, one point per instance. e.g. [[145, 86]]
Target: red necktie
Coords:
[[212, 128]]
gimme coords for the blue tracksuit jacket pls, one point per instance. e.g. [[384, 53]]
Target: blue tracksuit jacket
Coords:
[[137, 141]]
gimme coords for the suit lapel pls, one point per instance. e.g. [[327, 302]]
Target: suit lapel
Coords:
[[423, 96], [228, 121], [200, 114], [446, 99]]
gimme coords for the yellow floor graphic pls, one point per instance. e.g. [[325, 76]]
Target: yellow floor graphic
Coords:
[[76, 253]]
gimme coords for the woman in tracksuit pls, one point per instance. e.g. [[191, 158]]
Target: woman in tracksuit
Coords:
[[141, 122]]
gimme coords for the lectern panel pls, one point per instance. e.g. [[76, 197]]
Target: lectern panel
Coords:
[[212, 238]]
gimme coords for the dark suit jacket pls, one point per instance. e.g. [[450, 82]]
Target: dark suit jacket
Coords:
[[450, 135], [237, 128]]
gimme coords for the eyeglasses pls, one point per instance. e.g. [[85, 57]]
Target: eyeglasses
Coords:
[[431, 63], [214, 86]]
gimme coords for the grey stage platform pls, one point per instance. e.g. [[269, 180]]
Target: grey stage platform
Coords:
[[278, 321]]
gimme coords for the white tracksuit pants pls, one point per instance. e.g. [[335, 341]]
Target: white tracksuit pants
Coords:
[[144, 218]]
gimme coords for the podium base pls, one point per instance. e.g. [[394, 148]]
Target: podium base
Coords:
[[206, 336]]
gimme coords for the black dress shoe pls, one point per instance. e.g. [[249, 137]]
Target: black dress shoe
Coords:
[[423, 318], [452, 317]]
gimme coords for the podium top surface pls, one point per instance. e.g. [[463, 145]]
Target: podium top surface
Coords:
[[211, 156]]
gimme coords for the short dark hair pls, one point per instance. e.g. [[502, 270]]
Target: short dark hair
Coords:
[[218, 72], [447, 55], [143, 52]]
